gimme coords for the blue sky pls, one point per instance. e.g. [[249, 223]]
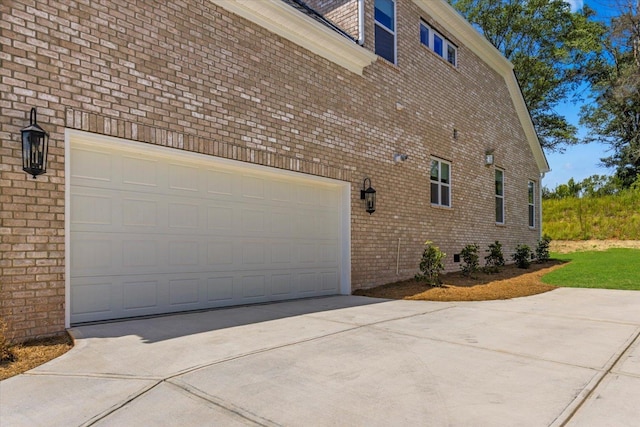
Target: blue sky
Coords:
[[580, 161]]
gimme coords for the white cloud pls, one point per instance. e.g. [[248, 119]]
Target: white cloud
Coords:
[[575, 4]]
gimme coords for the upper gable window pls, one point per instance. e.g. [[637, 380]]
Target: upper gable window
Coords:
[[385, 29], [438, 43]]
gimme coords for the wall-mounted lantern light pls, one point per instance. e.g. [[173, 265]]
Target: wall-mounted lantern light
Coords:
[[368, 194], [35, 143], [488, 158]]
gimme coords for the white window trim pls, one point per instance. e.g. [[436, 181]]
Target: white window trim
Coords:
[[440, 184], [500, 197], [394, 32], [446, 43], [531, 219]]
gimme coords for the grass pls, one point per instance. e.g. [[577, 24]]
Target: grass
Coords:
[[605, 217], [611, 269]]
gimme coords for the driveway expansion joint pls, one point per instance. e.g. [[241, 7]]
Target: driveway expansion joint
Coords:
[[573, 408]]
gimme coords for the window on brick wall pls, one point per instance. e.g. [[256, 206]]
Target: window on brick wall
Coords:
[[532, 203], [499, 196], [440, 183], [437, 43], [385, 29]]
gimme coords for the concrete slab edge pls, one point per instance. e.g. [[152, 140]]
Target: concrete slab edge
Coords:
[[571, 409]]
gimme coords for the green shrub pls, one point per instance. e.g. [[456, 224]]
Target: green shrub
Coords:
[[495, 259], [470, 260], [522, 257], [431, 264], [542, 249]]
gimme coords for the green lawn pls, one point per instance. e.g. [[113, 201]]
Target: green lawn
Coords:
[[610, 269]]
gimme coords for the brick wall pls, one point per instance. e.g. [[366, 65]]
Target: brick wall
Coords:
[[343, 13], [191, 76]]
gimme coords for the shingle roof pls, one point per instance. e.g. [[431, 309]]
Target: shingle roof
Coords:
[[312, 13]]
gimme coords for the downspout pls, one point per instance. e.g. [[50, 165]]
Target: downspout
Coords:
[[540, 203], [361, 22]]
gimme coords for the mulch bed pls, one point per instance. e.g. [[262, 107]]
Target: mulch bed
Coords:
[[510, 282]]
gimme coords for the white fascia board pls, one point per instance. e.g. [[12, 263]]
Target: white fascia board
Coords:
[[527, 124], [449, 18], [285, 21]]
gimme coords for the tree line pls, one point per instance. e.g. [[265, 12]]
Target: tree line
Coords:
[[561, 55], [593, 186]]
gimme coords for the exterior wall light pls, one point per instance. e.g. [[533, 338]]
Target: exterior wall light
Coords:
[[368, 194], [397, 157], [488, 158], [35, 143]]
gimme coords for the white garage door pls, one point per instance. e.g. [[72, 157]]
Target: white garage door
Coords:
[[157, 230]]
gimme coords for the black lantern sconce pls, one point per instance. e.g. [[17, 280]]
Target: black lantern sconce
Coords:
[[35, 143], [368, 194]]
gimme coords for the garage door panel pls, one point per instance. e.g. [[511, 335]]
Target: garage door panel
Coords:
[[184, 291], [140, 212], [92, 209], [184, 215], [307, 282], [253, 286], [140, 294], [219, 289], [282, 285], [140, 172], [92, 253], [221, 183], [90, 166], [183, 178], [281, 192], [90, 297], [138, 253], [161, 233], [253, 254]]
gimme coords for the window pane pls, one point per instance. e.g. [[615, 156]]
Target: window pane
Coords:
[[384, 13], [385, 44], [445, 196], [434, 170], [444, 173], [435, 197], [532, 222], [499, 179], [451, 54], [437, 44], [531, 191], [499, 210], [424, 35]]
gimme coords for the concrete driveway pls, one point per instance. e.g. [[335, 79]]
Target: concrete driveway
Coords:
[[567, 357]]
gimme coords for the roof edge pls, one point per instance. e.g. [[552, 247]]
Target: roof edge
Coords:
[[455, 23], [293, 25]]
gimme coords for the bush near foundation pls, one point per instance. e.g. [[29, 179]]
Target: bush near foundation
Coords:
[[470, 260], [495, 259], [431, 264], [522, 257]]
